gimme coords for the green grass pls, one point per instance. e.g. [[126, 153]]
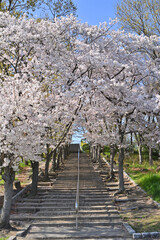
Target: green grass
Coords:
[[151, 184], [4, 238], [143, 174]]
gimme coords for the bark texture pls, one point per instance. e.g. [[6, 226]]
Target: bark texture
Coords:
[[112, 155], [8, 178], [54, 161], [35, 170], [48, 158], [140, 153], [120, 169]]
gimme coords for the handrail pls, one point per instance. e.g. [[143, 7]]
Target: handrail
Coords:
[[77, 192]]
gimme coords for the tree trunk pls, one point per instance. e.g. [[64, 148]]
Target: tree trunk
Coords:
[[99, 156], [48, 157], [150, 156], [140, 153], [61, 157], [58, 159], [63, 153], [131, 139], [35, 167], [54, 161], [120, 170], [94, 154], [91, 152], [112, 155], [8, 178]]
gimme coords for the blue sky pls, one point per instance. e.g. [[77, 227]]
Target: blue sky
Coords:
[[91, 11], [95, 11]]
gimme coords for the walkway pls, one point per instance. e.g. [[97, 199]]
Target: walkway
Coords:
[[53, 209]]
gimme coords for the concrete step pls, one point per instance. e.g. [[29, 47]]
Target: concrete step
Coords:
[[67, 218], [54, 202], [69, 233], [86, 238], [103, 223], [52, 210], [60, 213]]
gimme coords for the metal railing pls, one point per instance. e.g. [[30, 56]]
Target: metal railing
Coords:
[[77, 192]]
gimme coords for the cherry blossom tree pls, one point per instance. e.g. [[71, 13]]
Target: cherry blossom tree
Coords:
[[56, 74]]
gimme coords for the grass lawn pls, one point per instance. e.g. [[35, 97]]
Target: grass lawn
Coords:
[[144, 175]]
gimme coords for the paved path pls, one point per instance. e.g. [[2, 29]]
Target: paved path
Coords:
[[52, 210]]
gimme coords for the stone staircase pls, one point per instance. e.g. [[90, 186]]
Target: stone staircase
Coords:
[[52, 211]]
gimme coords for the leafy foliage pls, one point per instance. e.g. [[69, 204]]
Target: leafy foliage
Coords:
[[47, 8], [142, 16]]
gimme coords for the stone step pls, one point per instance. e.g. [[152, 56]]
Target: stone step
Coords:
[[68, 192], [68, 233], [60, 209], [87, 217], [91, 213], [86, 238], [68, 219], [81, 223], [57, 193], [82, 198], [52, 210], [62, 203]]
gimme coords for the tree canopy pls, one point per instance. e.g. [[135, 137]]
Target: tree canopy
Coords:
[[47, 8], [54, 74], [140, 16]]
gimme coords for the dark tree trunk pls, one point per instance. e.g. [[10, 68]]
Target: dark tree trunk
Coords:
[[63, 153], [35, 168], [131, 139], [112, 155], [61, 157], [48, 157], [150, 156], [140, 153], [99, 156], [94, 154], [120, 170], [54, 160], [91, 152], [58, 159], [8, 178]]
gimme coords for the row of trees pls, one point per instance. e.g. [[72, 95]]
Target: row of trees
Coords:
[[56, 73]]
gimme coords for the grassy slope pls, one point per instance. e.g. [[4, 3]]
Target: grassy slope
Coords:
[[149, 179], [145, 175]]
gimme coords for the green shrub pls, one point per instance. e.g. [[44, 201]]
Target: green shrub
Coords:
[[85, 147]]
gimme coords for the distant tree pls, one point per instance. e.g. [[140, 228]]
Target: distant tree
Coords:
[[48, 8], [18, 7], [140, 16], [58, 8]]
